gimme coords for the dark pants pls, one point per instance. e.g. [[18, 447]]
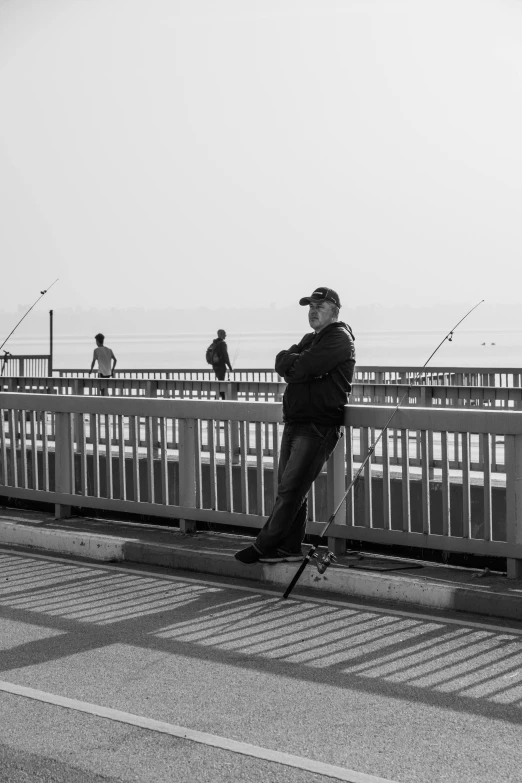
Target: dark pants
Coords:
[[220, 372], [305, 447], [103, 392]]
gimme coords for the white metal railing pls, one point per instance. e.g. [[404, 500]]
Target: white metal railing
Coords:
[[156, 445], [217, 462], [206, 374], [443, 397], [27, 365], [209, 391], [167, 389], [441, 376], [497, 398], [431, 376]]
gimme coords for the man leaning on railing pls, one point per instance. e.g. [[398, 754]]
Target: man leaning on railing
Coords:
[[319, 372]]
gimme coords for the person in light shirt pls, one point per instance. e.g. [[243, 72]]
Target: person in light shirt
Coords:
[[105, 358]]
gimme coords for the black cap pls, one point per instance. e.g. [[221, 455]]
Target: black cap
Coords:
[[322, 295]]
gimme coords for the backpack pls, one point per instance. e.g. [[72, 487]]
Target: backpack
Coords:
[[211, 355]]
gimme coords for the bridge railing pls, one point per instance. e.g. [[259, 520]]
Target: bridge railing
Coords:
[[205, 374], [438, 498], [163, 458], [505, 398], [260, 392], [441, 376], [168, 389], [27, 365], [431, 376], [362, 393]]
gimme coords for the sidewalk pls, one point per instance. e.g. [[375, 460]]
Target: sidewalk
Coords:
[[427, 586]]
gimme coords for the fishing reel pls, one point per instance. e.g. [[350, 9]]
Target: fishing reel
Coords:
[[5, 358], [323, 562]]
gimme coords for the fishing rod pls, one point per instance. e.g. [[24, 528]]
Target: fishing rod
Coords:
[[324, 562], [42, 293], [236, 352]]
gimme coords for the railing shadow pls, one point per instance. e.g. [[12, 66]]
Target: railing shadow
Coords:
[[80, 608]]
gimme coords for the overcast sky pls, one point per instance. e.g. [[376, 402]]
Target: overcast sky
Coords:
[[247, 151]]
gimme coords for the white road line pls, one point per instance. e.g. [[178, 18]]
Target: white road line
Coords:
[[244, 748], [136, 568]]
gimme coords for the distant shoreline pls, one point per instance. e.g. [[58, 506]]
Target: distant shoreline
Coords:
[[149, 336]]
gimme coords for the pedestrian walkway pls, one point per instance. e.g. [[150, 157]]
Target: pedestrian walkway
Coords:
[[357, 575]]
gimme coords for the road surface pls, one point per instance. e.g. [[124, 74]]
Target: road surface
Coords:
[[121, 673]]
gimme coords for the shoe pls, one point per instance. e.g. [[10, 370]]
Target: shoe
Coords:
[[249, 556], [280, 557]]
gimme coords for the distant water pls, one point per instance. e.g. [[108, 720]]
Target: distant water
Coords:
[[251, 350]]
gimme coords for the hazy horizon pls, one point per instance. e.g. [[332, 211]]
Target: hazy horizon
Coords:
[[490, 336], [258, 349], [487, 317]]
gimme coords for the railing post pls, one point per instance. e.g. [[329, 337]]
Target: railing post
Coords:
[[234, 425], [63, 456], [151, 391], [335, 489], [513, 457], [187, 471], [77, 417], [431, 469]]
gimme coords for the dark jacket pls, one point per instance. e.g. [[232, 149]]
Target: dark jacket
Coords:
[[319, 372], [220, 348]]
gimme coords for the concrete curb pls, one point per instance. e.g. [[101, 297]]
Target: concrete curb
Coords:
[[418, 591], [65, 542], [415, 591]]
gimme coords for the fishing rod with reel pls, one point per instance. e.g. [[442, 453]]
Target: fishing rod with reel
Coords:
[[327, 559], [6, 353]]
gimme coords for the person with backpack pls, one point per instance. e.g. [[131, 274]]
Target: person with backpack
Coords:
[[217, 355]]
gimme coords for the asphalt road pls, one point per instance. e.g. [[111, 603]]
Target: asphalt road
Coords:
[[105, 669]]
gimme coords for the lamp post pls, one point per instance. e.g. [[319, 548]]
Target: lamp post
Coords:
[[50, 343]]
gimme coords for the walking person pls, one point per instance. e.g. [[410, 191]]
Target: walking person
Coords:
[[217, 355], [105, 357], [319, 372]]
